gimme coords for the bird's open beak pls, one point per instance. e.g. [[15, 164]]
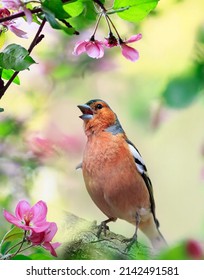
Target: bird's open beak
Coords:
[[87, 112]]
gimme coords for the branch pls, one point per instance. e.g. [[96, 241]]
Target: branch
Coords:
[[35, 41], [81, 242], [20, 14]]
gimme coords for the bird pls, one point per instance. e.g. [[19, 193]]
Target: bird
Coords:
[[115, 174]]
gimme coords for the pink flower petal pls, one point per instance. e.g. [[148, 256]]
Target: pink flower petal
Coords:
[[48, 246], [36, 238], [28, 15], [129, 53], [11, 4], [94, 49], [17, 32], [40, 227], [50, 232], [22, 207], [39, 212], [79, 48], [11, 218], [134, 38]]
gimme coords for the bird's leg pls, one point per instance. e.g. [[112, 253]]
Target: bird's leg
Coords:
[[133, 239], [103, 226]]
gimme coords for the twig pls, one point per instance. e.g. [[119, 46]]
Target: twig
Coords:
[[36, 38], [35, 41], [21, 14], [98, 2]]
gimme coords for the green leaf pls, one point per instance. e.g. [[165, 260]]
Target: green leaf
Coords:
[[56, 7], [50, 17], [12, 235], [1, 110], [9, 126], [136, 9], [56, 24], [182, 91], [74, 9], [87, 17], [15, 57], [40, 256], [21, 257], [7, 74]]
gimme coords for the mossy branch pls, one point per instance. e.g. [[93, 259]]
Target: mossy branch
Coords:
[[82, 243]]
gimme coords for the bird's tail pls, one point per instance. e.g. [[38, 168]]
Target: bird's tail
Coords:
[[158, 242], [151, 230]]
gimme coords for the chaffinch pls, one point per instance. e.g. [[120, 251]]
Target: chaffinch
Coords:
[[115, 174]]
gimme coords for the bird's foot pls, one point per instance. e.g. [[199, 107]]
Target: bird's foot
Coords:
[[130, 242], [102, 227]]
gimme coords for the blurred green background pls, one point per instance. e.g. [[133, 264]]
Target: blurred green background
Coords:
[[159, 101]]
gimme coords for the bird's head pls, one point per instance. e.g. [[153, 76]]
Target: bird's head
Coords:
[[97, 116]]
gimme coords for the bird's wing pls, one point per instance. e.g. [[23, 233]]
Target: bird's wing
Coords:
[[79, 166], [140, 165]]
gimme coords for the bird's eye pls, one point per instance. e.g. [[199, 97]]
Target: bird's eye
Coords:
[[99, 106]]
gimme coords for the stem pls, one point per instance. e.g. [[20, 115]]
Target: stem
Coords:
[[108, 19], [35, 41], [96, 27], [19, 249], [116, 31], [19, 243], [108, 23], [26, 248], [100, 5], [11, 248]]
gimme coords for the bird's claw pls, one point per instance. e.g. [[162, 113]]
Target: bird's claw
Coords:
[[102, 227], [130, 242]]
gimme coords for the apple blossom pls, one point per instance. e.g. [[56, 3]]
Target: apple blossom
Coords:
[[93, 48], [18, 5], [111, 41], [127, 51], [10, 24], [44, 239], [27, 217]]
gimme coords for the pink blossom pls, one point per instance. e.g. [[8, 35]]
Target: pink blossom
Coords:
[[18, 5], [129, 52], [10, 24], [111, 41], [4, 13], [194, 249], [27, 217], [44, 239], [18, 32], [93, 48], [12, 4], [42, 147]]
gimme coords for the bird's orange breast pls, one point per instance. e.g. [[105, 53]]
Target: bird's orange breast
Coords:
[[111, 177]]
